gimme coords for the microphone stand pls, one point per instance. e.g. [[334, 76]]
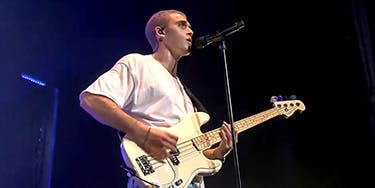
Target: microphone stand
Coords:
[[230, 115]]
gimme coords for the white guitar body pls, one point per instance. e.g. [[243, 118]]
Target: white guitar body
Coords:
[[180, 169], [191, 161]]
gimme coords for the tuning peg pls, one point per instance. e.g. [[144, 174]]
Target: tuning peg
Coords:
[[280, 98], [273, 99], [292, 97]]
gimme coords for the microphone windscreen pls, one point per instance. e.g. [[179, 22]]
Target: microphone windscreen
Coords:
[[201, 42]]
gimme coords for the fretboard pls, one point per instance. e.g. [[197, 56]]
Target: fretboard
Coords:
[[212, 137]]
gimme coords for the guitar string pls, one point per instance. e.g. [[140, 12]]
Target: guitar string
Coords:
[[181, 147], [239, 127], [245, 123], [187, 151], [185, 155], [191, 149]]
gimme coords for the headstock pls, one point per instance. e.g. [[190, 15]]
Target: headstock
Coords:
[[287, 107]]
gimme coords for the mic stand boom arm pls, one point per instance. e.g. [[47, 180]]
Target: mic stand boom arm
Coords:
[[221, 35], [206, 40]]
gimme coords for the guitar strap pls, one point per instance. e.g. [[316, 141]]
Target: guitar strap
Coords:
[[197, 104]]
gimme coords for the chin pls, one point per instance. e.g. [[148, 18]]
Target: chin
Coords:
[[189, 50]]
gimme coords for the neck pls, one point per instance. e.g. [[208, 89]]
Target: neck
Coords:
[[167, 60]]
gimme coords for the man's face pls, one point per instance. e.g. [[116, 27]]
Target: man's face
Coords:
[[178, 35]]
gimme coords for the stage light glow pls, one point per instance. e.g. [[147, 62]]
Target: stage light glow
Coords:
[[34, 80]]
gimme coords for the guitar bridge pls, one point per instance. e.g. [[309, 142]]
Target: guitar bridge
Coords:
[[145, 165]]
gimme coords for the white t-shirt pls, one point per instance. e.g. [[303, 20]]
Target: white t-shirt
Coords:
[[144, 89]]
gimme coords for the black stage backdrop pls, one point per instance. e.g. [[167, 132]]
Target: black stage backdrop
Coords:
[[28, 125], [305, 48]]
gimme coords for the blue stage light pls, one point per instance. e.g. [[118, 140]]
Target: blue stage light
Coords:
[[34, 80]]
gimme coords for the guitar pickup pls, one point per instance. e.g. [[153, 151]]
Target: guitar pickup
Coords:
[[174, 157], [145, 165]]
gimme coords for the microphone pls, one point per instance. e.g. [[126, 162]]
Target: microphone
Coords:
[[206, 40]]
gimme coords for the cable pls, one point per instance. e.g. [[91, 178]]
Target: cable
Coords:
[[119, 136], [133, 173]]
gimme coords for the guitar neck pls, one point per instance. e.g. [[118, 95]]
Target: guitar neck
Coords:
[[212, 137], [256, 119]]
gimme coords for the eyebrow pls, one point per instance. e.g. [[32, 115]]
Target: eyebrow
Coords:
[[184, 22]]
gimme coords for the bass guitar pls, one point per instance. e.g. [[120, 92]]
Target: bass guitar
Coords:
[[179, 170]]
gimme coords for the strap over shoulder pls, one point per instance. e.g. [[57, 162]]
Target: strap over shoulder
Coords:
[[197, 104]]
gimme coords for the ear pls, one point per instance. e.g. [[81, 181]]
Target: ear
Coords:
[[159, 30], [159, 33]]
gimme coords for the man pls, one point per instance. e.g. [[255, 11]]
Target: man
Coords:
[[141, 92]]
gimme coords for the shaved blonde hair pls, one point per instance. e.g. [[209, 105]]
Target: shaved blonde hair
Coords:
[[161, 19]]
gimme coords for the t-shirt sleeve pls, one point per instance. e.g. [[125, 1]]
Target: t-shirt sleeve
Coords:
[[116, 84]]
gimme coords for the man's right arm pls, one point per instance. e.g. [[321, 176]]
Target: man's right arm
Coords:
[[109, 113]]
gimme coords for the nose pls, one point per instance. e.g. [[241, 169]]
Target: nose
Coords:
[[190, 31]]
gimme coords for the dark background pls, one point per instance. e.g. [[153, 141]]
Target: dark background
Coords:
[[305, 48]]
